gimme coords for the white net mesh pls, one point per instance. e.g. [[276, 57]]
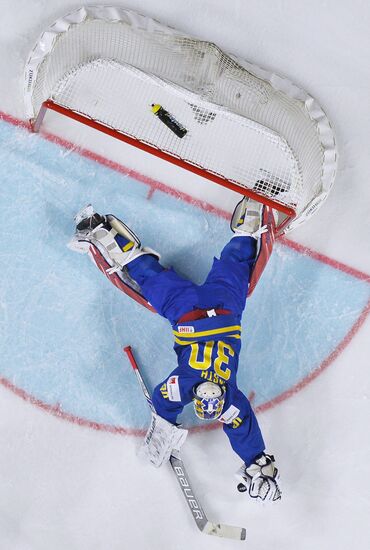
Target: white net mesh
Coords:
[[238, 126], [223, 142]]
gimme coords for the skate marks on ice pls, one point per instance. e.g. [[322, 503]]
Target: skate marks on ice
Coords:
[[62, 324]]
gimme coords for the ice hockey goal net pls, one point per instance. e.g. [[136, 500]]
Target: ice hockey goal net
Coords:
[[244, 128]]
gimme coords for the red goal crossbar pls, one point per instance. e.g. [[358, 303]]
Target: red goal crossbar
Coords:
[[49, 104]]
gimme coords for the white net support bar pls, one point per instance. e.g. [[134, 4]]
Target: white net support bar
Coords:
[[251, 128]]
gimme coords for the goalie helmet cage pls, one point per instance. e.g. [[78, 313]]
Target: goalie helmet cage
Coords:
[[240, 126]]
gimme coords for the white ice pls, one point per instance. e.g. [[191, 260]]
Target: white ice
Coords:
[[65, 487]]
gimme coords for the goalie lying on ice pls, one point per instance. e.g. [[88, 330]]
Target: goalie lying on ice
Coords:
[[206, 324]]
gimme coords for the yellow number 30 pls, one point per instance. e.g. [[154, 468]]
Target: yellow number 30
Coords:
[[224, 352]]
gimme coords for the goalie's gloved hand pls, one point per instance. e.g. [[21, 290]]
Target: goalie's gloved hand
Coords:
[[260, 479], [161, 439]]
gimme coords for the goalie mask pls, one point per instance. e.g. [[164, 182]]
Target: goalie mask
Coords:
[[208, 399]]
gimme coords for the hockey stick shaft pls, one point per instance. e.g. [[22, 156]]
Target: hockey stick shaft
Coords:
[[205, 526], [137, 372]]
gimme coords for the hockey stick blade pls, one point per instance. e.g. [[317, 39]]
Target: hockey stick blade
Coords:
[[225, 531], [200, 518]]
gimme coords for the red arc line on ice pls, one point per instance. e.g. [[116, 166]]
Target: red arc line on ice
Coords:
[[154, 185]]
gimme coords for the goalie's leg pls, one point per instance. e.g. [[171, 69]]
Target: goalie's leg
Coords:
[[117, 243], [257, 221]]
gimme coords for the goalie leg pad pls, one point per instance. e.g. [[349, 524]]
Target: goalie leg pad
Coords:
[[247, 219], [161, 439], [117, 243], [264, 247], [254, 219]]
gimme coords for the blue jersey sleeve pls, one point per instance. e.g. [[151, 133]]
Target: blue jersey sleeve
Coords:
[[171, 395], [241, 426]]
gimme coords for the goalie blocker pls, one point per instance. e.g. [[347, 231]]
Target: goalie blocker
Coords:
[[86, 240]]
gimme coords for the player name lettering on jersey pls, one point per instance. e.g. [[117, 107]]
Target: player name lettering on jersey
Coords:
[[212, 377], [185, 329]]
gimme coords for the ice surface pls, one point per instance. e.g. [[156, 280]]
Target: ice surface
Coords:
[[62, 324], [67, 349]]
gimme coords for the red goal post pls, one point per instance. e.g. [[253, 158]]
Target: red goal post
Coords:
[[243, 128]]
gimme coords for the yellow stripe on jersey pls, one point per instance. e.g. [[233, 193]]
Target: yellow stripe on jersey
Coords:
[[208, 332], [186, 343], [182, 342]]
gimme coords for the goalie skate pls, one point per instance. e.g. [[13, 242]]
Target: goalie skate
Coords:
[[84, 214]]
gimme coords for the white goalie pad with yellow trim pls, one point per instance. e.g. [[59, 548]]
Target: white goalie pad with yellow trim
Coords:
[[117, 243]]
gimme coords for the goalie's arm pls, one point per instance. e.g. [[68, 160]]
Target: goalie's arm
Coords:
[[242, 427], [171, 395]]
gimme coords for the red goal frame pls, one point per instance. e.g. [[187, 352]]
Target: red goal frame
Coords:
[[36, 123]]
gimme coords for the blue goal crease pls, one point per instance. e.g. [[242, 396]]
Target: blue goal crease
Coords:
[[62, 324]]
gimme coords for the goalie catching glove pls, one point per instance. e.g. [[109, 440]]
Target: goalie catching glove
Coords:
[[260, 479], [161, 439]]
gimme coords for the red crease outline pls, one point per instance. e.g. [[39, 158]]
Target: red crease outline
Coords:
[[154, 185]]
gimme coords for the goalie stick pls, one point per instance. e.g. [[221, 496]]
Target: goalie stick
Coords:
[[200, 518]]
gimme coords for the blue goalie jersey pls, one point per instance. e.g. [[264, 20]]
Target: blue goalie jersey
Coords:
[[207, 348]]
